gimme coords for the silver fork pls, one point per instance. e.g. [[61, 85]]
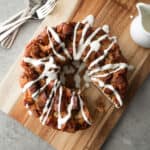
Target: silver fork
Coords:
[[39, 13], [9, 40]]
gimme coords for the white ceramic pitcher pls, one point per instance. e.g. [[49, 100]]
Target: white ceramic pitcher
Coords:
[[140, 26]]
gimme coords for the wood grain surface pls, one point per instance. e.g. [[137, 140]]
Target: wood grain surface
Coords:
[[117, 14]]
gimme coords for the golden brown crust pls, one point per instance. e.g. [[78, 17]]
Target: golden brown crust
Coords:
[[40, 48]]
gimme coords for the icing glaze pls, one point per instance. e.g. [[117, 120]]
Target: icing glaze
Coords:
[[51, 75], [51, 70], [30, 112], [89, 19], [63, 120], [79, 49], [102, 57], [49, 103], [58, 40], [106, 28], [82, 110], [103, 85], [95, 46], [113, 67]]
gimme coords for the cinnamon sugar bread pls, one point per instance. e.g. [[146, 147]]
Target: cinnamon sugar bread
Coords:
[[63, 60]]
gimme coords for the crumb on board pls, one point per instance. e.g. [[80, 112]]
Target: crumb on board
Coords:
[[131, 16]]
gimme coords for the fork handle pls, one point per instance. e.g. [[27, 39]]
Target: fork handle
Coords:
[[6, 27], [12, 18], [6, 33], [9, 40]]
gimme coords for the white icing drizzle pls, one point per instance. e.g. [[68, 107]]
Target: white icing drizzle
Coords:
[[50, 75], [115, 67], [74, 39], [105, 28], [95, 46], [57, 39], [82, 110], [63, 120], [103, 85], [27, 106], [106, 51], [35, 62], [46, 110], [30, 112], [51, 70], [83, 35], [77, 52], [59, 107], [54, 51], [89, 19]]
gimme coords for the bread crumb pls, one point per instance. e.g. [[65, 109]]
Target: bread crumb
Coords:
[[131, 16]]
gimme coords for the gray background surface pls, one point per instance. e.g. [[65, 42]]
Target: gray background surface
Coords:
[[131, 133]]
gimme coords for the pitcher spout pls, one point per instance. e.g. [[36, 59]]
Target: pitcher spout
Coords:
[[143, 8], [144, 14], [140, 26]]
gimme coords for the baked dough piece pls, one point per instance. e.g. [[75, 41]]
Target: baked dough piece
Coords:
[[92, 53]]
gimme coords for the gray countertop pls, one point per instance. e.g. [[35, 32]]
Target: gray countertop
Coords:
[[132, 132]]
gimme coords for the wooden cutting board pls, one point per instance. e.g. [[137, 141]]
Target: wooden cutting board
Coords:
[[117, 14]]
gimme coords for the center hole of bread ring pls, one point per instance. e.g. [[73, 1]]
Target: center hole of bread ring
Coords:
[[74, 75]]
